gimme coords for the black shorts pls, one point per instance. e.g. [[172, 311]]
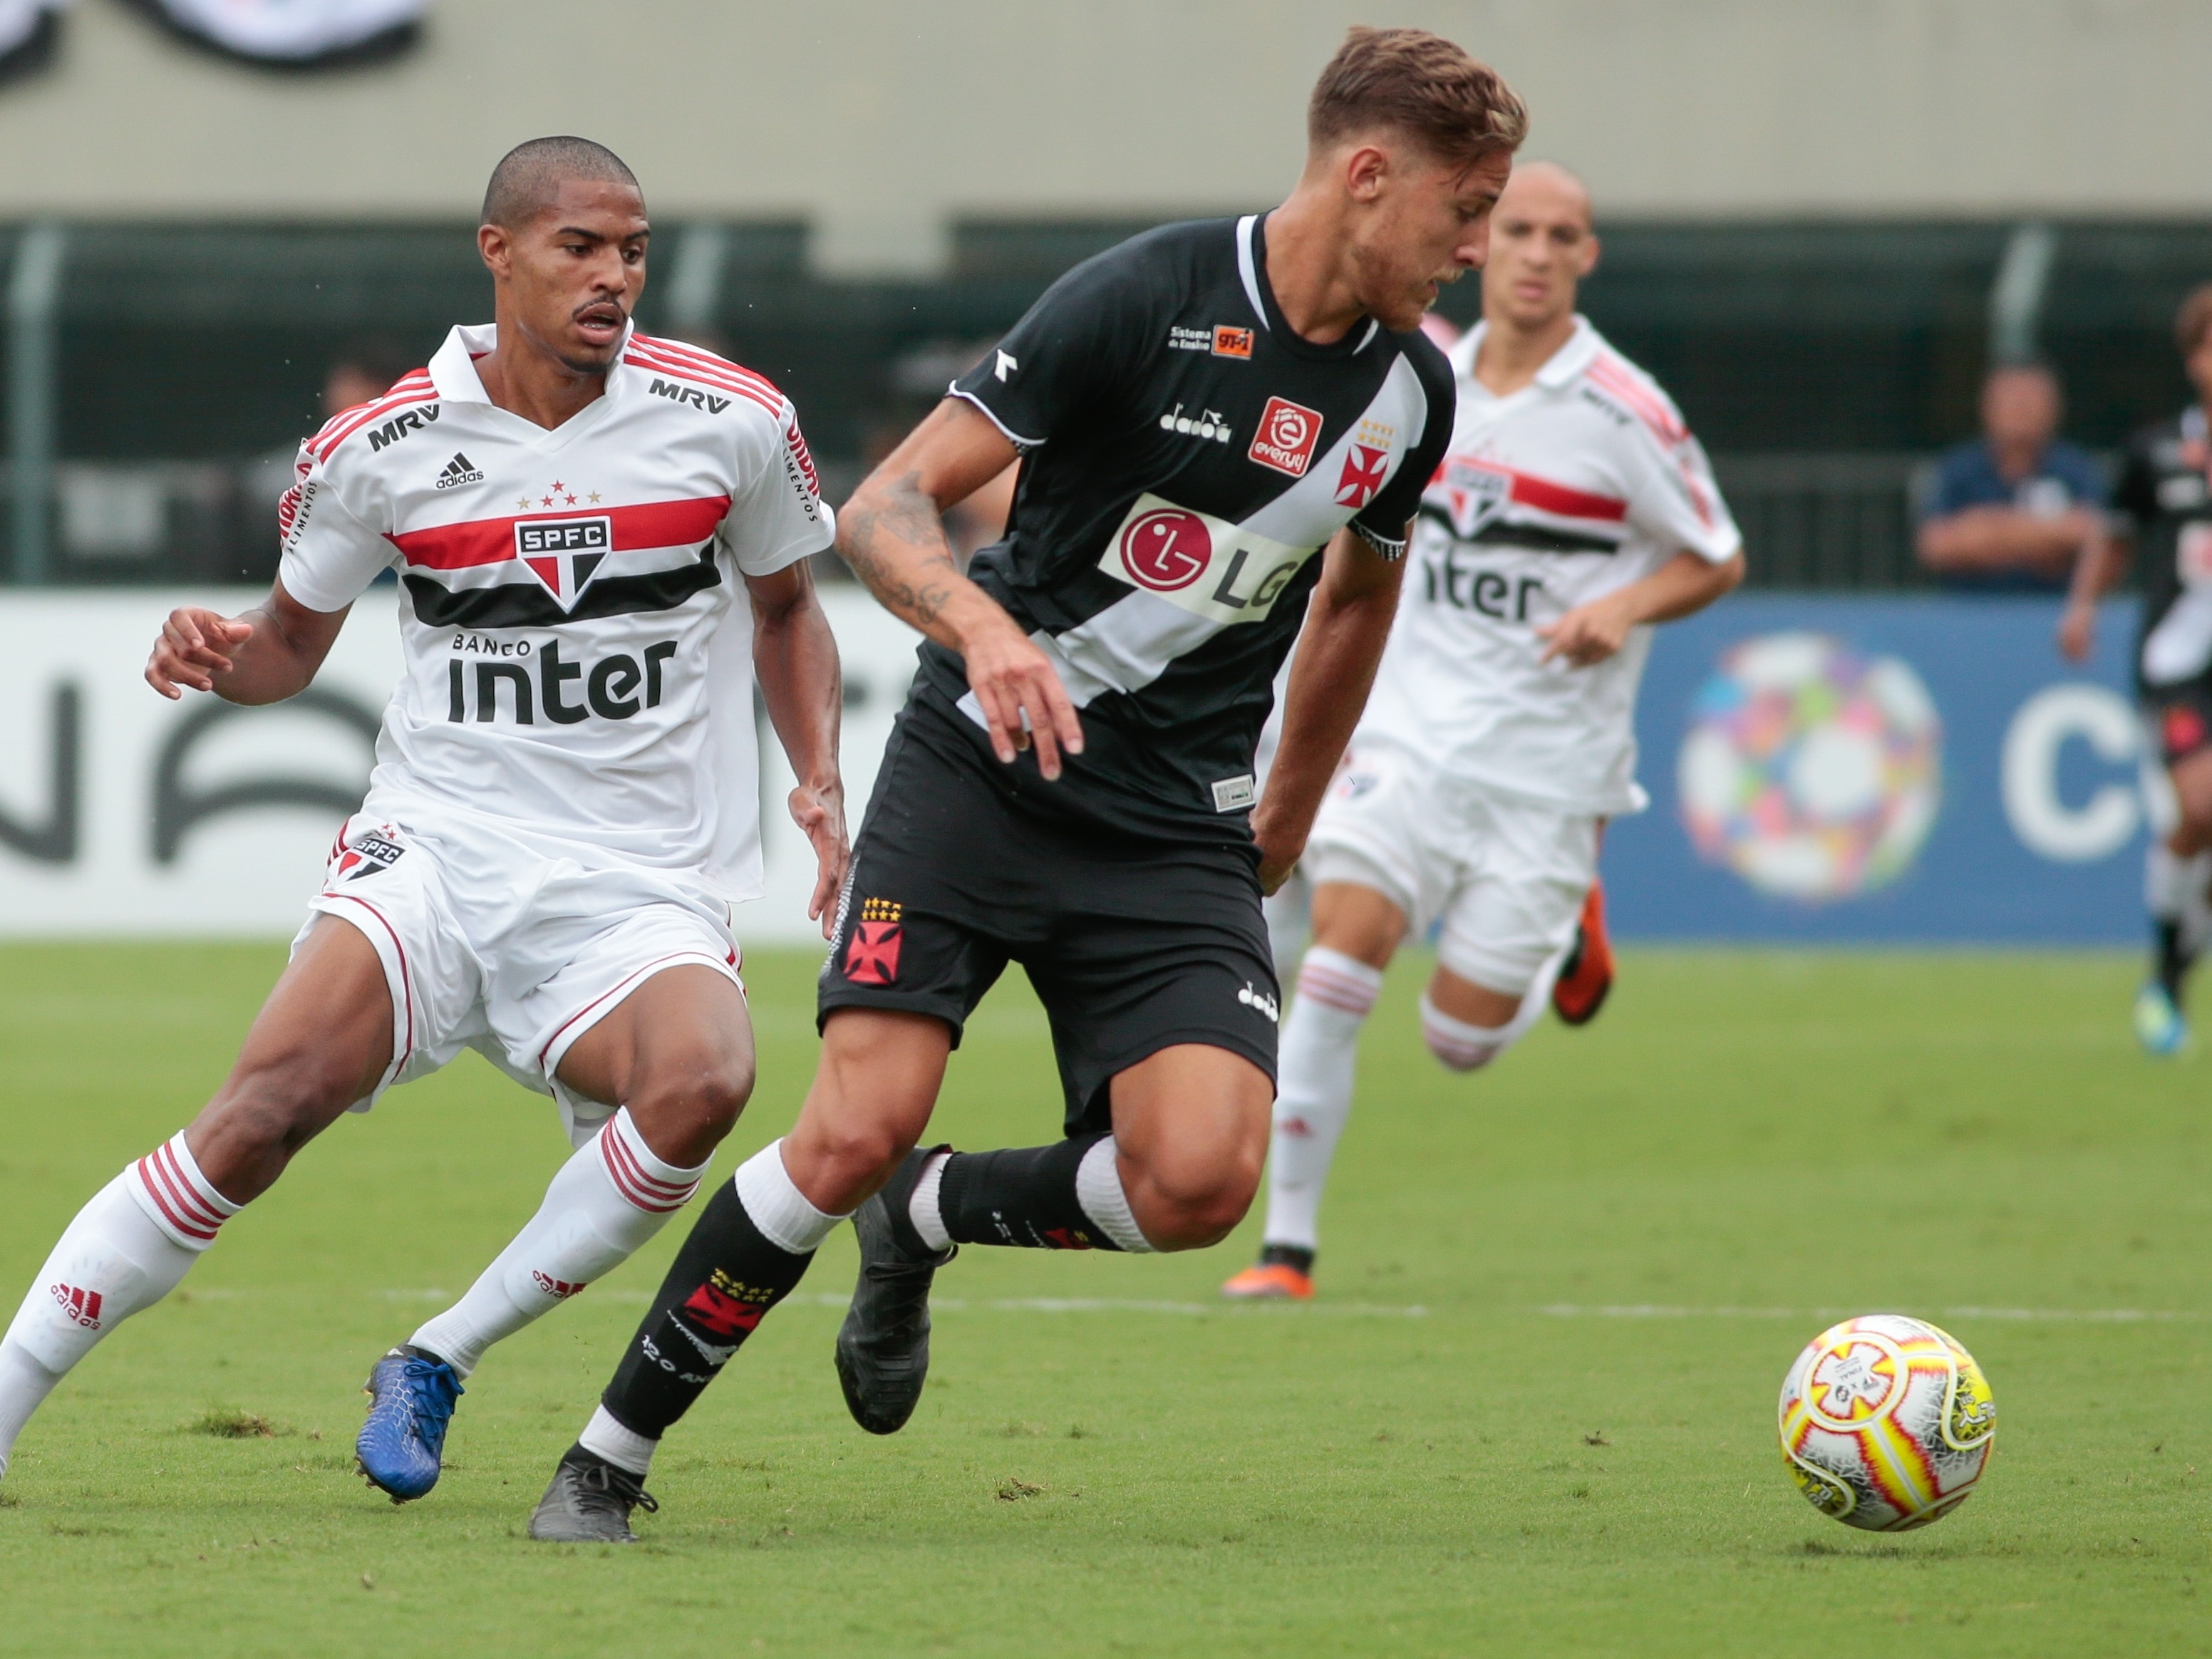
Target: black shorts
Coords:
[[1133, 946], [2181, 715]]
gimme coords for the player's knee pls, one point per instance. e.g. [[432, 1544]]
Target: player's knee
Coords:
[[278, 1104], [1196, 1204], [856, 1152], [704, 1095], [1458, 1046]]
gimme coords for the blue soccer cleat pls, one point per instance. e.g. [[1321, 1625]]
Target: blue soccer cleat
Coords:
[[2160, 1026], [411, 1396]]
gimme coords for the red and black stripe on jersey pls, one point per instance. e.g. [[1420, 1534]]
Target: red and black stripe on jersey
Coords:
[[1185, 455]]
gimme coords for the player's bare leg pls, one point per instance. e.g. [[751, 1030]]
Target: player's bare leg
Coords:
[[676, 1057], [322, 1041]]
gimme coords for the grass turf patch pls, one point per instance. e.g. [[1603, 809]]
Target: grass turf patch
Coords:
[[1531, 1411]]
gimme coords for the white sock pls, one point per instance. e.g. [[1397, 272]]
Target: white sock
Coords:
[[1098, 1189], [2175, 890], [625, 1448], [777, 1207], [606, 1201], [126, 1250], [1313, 1099], [923, 1210]]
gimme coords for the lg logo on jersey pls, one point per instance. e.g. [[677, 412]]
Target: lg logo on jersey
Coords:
[[610, 686]]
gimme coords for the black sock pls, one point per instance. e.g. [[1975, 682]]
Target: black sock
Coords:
[[1023, 1196], [726, 1276], [2172, 962]]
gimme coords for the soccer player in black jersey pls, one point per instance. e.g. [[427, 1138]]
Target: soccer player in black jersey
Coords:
[[1224, 428], [2164, 501]]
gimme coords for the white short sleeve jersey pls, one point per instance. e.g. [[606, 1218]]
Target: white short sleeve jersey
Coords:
[[1577, 484], [578, 650]]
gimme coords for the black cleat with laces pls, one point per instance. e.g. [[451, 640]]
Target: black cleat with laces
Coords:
[[882, 1347], [589, 1502]]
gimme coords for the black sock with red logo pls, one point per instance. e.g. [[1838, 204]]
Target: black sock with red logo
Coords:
[[1024, 1196], [726, 1276]]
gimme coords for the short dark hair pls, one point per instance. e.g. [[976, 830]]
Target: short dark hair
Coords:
[[1419, 84], [2193, 319], [524, 182]]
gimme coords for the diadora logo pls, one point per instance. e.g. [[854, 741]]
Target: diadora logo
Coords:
[[407, 421], [459, 470], [1260, 1002], [1203, 564], [1208, 424], [688, 394], [81, 1307], [1286, 437], [564, 553]]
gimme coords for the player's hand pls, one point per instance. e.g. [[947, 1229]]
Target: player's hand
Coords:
[[1588, 633], [819, 810], [1022, 698], [2077, 632], [195, 646]]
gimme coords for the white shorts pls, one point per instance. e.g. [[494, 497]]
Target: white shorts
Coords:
[[1506, 875], [489, 943]]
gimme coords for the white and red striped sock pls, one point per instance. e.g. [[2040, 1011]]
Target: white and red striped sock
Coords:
[[125, 1250], [1313, 1097], [604, 1204]]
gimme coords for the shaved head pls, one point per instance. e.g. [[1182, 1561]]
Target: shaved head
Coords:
[[1554, 186], [528, 179]]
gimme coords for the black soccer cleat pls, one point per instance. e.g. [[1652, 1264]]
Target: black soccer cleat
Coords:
[[882, 1347], [589, 1502]]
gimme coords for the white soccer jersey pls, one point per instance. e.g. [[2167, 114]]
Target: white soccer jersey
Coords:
[[1577, 484], [579, 652]]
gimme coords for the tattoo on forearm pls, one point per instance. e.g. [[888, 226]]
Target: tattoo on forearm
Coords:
[[900, 514]]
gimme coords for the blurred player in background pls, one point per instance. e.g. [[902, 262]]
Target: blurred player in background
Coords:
[[566, 798], [2164, 505], [1223, 428], [1573, 511]]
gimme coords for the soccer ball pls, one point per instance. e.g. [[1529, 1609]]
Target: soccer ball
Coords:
[[1885, 1423]]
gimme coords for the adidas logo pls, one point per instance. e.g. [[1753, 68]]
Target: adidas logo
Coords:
[[81, 1307], [458, 471]]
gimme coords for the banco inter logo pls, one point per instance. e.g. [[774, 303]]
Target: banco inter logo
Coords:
[[564, 553], [459, 470]]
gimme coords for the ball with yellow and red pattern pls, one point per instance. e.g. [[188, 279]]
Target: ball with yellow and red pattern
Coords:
[[1887, 1422]]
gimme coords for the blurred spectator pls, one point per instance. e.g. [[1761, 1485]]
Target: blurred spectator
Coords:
[[362, 372], [2013, 510]]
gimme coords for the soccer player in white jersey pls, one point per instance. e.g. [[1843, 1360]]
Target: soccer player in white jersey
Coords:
[[565, 802], [1572, 511]]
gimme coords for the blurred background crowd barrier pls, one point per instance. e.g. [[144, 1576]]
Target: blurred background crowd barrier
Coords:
[[1822, 223]]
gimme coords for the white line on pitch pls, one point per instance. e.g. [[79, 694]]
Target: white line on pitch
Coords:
[[1652, 1311]]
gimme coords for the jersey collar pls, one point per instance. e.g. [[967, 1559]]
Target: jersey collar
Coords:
[[1559, 369], [1252, 271], [454, 368]]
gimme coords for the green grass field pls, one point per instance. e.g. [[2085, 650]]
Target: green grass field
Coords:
[[1532, 1411]]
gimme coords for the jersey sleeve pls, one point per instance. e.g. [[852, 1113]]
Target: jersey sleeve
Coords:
[[1381, 523], [1075, 345], [329, 554], [777, 516], [1673, 497]]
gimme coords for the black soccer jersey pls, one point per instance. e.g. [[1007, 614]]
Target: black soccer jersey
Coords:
[[1185, 456], [2164, 495]]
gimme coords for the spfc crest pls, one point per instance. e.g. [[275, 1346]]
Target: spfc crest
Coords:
[[1475, 493], [564, 553]]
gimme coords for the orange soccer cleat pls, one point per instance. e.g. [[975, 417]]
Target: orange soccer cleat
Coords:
[[1282, 1273], [1582, 986]]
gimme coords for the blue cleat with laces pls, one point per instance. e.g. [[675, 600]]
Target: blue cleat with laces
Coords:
[[411, 1396], [2160, 1027]]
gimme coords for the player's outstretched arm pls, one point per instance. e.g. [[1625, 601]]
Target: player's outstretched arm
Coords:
[[263, 655], [1682, 586], [893, 535], [1348, 623], [795, 661]]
